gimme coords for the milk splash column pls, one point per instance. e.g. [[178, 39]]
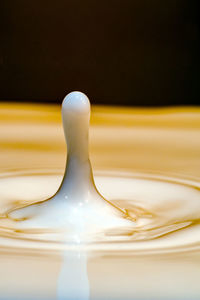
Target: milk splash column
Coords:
[[77, 209]]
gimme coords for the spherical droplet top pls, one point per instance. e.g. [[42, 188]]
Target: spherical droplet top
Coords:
[[76, 118], [76, 102]]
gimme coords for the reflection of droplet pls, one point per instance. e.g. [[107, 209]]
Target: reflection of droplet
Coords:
[[73, 281]]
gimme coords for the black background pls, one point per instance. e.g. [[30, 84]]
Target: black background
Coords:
[[128, 52]]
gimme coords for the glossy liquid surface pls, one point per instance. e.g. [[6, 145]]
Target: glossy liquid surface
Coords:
[[145, 162]]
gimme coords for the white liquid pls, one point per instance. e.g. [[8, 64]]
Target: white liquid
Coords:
[[143, 243]]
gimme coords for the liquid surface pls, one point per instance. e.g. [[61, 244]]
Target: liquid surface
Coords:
[[166, 212], [147, 164]]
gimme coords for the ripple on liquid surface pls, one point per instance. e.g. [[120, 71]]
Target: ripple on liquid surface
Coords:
[[165, 211]]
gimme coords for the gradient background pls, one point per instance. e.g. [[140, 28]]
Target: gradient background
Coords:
[[128, 52]]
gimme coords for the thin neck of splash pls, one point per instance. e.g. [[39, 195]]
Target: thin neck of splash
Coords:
[[76, 117]]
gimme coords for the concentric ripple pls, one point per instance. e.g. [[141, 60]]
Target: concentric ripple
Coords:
[[166, 212]]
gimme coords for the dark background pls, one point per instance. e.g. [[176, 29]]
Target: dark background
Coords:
[[128, 52]]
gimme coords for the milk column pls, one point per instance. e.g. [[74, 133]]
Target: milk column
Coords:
[[77, 209]]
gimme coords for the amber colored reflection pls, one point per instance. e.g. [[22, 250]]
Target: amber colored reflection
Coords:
[[161, 140]]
